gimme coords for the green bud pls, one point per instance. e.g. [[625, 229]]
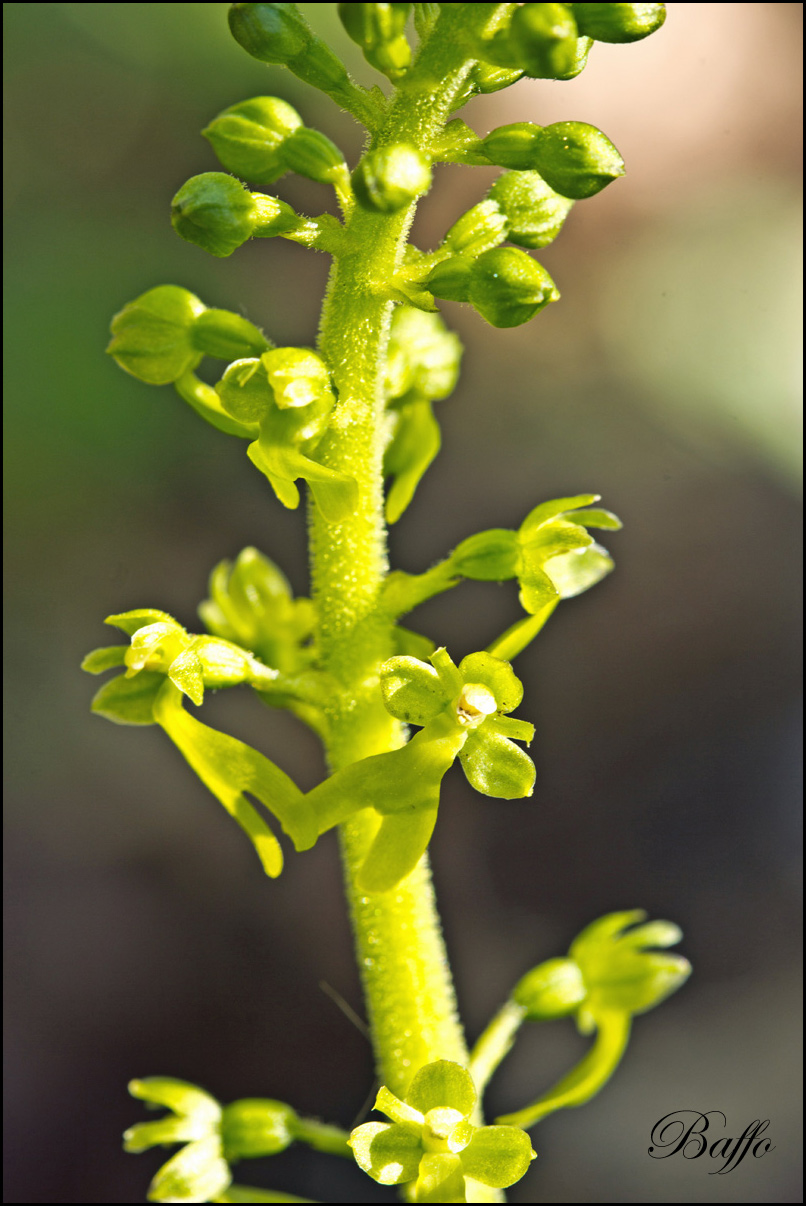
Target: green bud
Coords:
[[214, 211], [227, 336], [256, 1126], [576, 159], [278, 33], [552, 990], [152, 336], [450, 279], [618, 22], [247, 137], [544, 37], [508, 287], [424, 356], [534, 212], [488, 556], [379, 29], [244, 390], [312, 154], [514, 146], [274, 217], [298, 378], [391, 177], [481, 228]]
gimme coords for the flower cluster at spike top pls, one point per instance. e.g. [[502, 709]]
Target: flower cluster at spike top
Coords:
[[297, 408]]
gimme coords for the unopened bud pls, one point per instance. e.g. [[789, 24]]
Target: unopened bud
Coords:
[[214, 211], [544, 37], [618, 22], [391, 177], [247, 137], [278, 33], [379, 29], [152, 335], [534, 212], [508, 287], [576, 159]]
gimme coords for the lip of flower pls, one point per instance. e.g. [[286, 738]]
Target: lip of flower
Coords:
[[474, 705]]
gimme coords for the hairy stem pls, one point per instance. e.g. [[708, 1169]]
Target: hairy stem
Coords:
[[401, 954]]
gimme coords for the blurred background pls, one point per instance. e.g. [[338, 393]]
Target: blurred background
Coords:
[[142, 935]]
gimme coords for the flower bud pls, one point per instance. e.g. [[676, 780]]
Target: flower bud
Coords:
[[278, 33], [544, 37], [247, 137], [379, 29], [618, 22], [513, 146], [312, 154], [534, 212], [244, 391], [214, 211], [391, 177], [552, 990], [508, 287], [152, 336], [482, 227], [256, 1127], [227, 336], [576, 159], [450, 279]]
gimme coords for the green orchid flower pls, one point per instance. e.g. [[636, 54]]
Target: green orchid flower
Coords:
[[609, 976], [431, 1145], [216, 1137], [463, 713], [287, 397], [163, 664]]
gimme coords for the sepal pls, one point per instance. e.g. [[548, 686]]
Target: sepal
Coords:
[[128, 700], [619, 970]]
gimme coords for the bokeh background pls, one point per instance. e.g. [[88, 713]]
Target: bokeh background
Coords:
[[142, 936]]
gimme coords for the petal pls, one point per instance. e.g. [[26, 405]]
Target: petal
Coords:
[[388, 1153], [495, 766], [498, 1155], [573, 573], [197, 1173], [495, 674], [129, 700], [177, 1095], [443, 1083], [550, 510], [187, 674], [412, 690], [165, 1132], [440, 1179], [99, 660], [130, 621]]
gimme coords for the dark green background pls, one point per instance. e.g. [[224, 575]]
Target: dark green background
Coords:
[[143, 938]]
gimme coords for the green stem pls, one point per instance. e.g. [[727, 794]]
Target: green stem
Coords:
[[401, 954], [323, 1137], [495, 1043]]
